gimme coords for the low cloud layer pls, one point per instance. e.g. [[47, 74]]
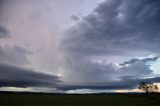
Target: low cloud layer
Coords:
[[111, 76], [125, 83], [11, 76]]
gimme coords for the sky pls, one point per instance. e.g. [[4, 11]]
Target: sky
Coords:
[[79, 46]]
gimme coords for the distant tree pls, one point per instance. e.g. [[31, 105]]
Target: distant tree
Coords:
[[148, 87]]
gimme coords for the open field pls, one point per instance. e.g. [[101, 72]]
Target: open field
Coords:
[[28, 99]]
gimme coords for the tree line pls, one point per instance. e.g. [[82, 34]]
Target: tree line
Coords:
[[148, 87]]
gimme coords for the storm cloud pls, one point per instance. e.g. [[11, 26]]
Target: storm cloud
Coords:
[[114, 46], [136, 60], [103, 46], [126, 83], [85, 71], [11, 76], [117, 28]]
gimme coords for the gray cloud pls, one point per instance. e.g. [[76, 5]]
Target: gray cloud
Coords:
[[4, 33], [15, 55], [118, 28], [126, 82], [11, 76], [85, 71], [136, 59], [74, 18]]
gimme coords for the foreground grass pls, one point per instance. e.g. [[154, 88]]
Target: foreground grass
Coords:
[[16, 99]]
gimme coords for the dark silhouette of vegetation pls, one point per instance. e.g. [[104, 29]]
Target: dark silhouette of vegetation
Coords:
[[49, 99], [148, 87]]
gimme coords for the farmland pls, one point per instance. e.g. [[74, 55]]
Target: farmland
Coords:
[[40, 99]]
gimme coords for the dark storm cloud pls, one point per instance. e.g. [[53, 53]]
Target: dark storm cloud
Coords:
[[11, 76], [111, 76], [15, 55], [126, 82], [84, 71], [97, 86], [4, 33], [116, 26], [136, 59]]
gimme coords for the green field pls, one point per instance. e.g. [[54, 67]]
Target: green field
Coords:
[[17, 99]]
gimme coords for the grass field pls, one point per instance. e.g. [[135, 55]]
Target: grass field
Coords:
[[18, 99]]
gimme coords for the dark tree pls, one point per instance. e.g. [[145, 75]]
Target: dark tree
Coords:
[[148, 87]]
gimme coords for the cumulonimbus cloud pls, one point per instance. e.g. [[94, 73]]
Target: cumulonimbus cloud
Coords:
[[116, 28]]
